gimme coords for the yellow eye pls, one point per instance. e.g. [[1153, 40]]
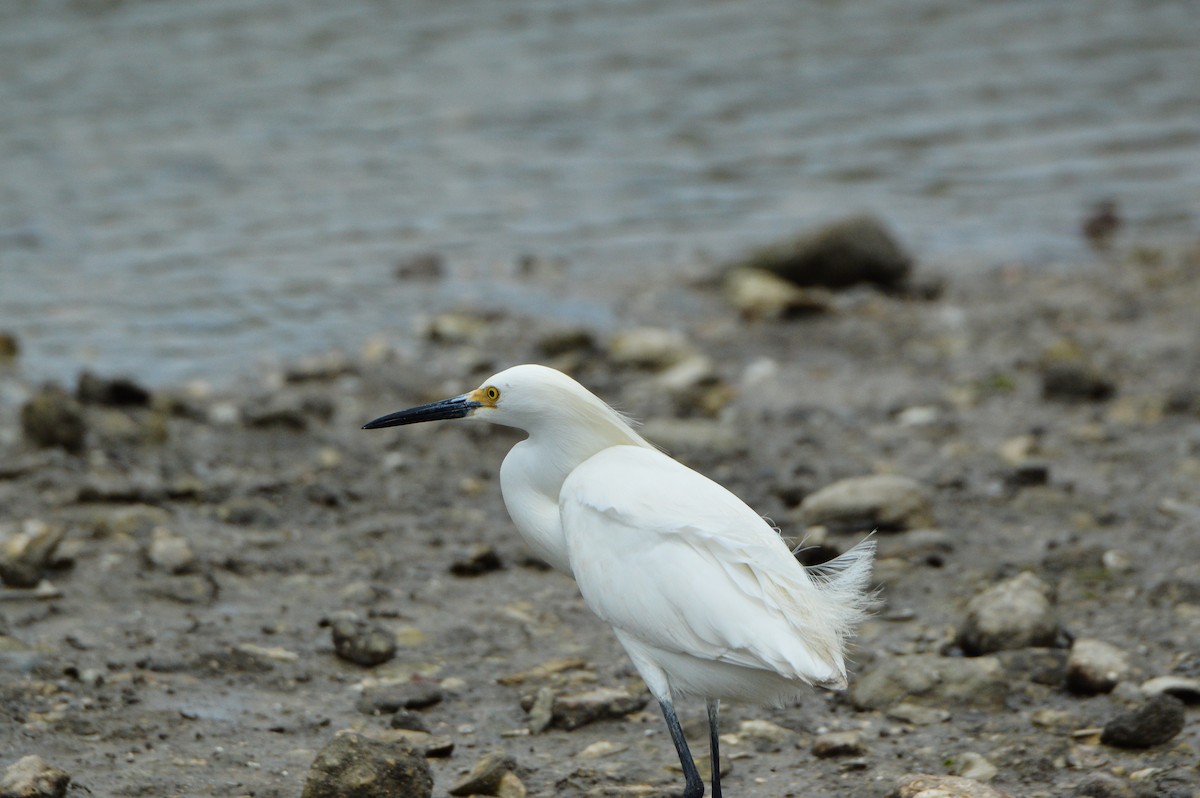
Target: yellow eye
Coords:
[[492, 393]]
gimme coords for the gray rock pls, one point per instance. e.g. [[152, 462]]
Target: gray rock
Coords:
[[855, 250], [169, 551], [541, 711], [485, 777], [33, 777], [1185, 689], [1155, 722], [602, 703], [353, 766], [1095, 666], [878, 501], [52, 418], [843, 743], [391, 699], [924, 785], [971, 765], [361, 642], [918, 715], [408, 719], [1101, 785], [1012, 614], [927, 679]]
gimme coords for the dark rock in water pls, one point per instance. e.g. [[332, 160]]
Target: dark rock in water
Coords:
[[1153, 723], [353, 766], [478, 559], [1075, 382], [852, 251], [425, 266], [113, 392], [52, 418], [361, 642], [10, 346], [33, 777], [388, 700], [484, 778]]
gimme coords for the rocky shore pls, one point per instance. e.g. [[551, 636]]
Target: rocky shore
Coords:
[[234, 593]]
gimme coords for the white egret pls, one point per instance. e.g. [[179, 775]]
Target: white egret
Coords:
[[700, 590]]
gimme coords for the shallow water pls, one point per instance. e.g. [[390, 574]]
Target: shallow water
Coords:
[[193, 189]]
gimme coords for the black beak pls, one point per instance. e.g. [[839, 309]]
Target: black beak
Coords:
[[455, 407]]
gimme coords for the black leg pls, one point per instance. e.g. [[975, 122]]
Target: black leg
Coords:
[[714, 746], [693, 787]]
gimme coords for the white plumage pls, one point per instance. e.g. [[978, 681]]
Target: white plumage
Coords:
[[702, 593]]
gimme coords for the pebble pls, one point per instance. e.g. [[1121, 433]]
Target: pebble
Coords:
[[353, 766], [1015, 613], [602, 748], [476, 560], [10, 345], [765, 731], [33, 777], [1155, 722], [393, 698], [1101, 785], [843, 743], [917, 715], [408, 719], [1075, 381], [760, 295], [602, 703], [52, 418], [887, 502], [169, 551], [649, 348], [511, 786], [1095, 666], [361, 642], [1046, 666], [485, 777], [971, 765], [541, 711], [928, 679], [858, 249], [924, 785], [26, 554], [1185, 689]]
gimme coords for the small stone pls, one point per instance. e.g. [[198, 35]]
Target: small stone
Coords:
[[476, 560], [541, 712], [361, 642], [923, 785], [886, 502], [1155, 722], [917, 715], [930, 680], [27, 554], [511, 786], [112, 392], [1095, 666], [858, 249], [1046, 666], [353, 766], [33, 777], [1101, 785], [1185, 689], [843, 743], [249, 511], [170, 552], [408, 719], [765, 731], [413, 695], [52, 418], [1015, 613], [485, 776], [760, 295], [649, 348], [602, 748], [1069, 381], [603, 703], [10, 346], [971, 765], [199, 589]]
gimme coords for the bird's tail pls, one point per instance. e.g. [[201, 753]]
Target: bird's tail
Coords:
[[844, 580]]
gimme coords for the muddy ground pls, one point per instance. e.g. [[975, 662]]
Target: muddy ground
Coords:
[[221, 679]]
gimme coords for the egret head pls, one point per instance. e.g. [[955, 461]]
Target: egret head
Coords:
[[528, 397]]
